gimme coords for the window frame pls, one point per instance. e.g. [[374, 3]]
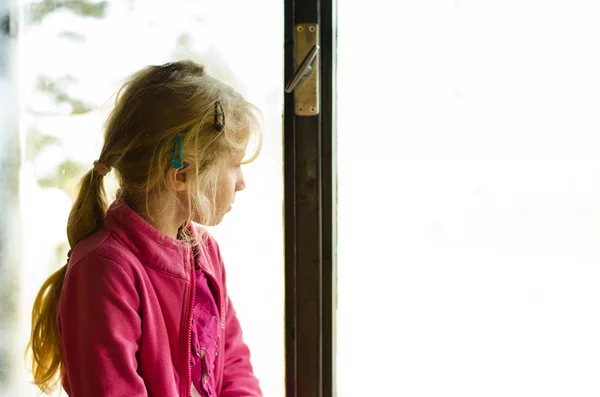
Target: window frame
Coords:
[[310, 214]]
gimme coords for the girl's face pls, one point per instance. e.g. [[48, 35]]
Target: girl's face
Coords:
[[231, 181]]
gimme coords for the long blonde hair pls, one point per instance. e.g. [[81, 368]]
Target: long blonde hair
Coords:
[[153, 106]]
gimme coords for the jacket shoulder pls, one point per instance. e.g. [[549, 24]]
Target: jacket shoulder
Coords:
[[103, 249]]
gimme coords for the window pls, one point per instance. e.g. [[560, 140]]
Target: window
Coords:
[[71, 59]]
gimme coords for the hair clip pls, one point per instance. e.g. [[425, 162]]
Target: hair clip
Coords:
[[177, 149], [219, 124]]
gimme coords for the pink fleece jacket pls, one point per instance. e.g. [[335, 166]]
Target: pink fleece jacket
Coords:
[[124, 315]]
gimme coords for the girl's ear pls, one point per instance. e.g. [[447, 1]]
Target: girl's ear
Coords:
[[178, 178]]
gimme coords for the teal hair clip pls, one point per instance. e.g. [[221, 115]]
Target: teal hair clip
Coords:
[[177, 161]]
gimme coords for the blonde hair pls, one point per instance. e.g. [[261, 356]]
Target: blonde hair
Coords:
[[153, 106]]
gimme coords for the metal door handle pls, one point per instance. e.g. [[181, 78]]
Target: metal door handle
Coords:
[[303, 70]]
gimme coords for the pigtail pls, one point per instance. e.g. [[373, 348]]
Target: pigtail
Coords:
[[87, 214]]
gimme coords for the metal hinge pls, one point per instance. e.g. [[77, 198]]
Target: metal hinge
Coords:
[[305, 81]]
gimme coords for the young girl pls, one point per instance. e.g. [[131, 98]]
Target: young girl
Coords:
[[141, 308]]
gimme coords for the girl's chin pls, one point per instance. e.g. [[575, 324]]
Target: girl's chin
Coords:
[[200, 220]]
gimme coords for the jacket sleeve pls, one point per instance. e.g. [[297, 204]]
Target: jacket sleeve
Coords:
[[238, 378], [100, 329]]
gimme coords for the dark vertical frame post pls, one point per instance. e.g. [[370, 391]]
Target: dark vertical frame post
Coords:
[[309, 169]]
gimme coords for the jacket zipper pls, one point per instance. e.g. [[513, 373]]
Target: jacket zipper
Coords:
[[191, 313]]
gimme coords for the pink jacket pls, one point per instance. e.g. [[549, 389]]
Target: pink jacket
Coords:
[[124, 315]]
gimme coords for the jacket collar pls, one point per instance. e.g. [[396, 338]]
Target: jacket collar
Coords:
[[152, 247]]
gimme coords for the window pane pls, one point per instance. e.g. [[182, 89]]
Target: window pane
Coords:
[[73, 57], [469, 198]]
